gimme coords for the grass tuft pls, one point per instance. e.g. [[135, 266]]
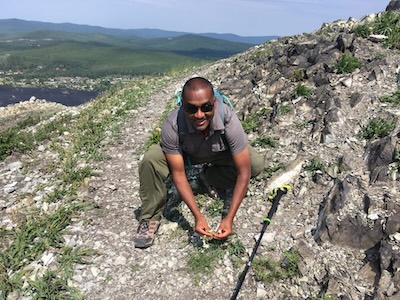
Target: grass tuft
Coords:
[[268, 270], [347, 63], [377, 128]]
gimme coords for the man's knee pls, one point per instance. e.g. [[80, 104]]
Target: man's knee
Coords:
[[154, 159], [257, 163]]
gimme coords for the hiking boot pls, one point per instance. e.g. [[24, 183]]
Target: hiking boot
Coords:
[[145, 233]]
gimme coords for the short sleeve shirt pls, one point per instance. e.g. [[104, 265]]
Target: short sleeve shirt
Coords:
[[195, 143]]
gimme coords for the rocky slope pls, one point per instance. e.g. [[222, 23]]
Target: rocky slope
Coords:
[[342, 214]]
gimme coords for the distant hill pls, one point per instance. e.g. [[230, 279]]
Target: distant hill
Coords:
[[31, 49], [10, 27]]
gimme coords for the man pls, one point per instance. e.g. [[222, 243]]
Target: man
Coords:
[[210, 137]]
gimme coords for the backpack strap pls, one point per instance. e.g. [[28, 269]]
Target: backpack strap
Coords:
[[181, 124]]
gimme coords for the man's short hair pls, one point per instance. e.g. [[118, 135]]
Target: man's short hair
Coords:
[[196, 83]]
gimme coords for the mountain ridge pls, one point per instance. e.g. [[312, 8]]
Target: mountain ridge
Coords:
[[19, 26]]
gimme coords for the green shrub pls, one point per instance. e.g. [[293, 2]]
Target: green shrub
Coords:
[[362, 30], [386, 23], [326, 296], [316, 164], [155, 138], [12, 139], [284, 109], [214, 208], [301, 90], [251, 123], [347, 63], [297, 74], [268, 270], [263, 141], [204, 261], [377, 128], [392, 99]]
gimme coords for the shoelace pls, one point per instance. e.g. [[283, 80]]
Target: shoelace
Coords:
[[143, 227]]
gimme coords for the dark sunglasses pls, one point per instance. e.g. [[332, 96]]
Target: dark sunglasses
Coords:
[[192, 109]]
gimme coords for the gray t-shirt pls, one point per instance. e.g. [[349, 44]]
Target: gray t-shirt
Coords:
[[194, 142]]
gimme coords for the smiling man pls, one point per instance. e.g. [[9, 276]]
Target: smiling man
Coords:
[[203, 131]]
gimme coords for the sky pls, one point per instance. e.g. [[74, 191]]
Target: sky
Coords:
[[241, 17]]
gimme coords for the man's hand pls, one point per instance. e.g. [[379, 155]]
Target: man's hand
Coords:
[[224, 229], [201, 227]]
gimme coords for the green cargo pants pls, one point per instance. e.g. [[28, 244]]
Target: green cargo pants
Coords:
[[153, 172]]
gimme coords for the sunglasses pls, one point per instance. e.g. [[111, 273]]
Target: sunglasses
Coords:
[[192, 109]]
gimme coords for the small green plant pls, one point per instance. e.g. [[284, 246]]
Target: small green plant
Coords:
[[301, 90], [386, 24], [268, 270], [394, 98], [214, 208], [52, 286], [362, 30], [377, 128], [301, 124], [203, 262], [12, 139], [272, 169], [264, 112], [347, 63], [284, 109], [326, 296], [71, 256], [379, 55], [316, 164], [264, 141], [251, 123], [134, 267], [155, 138], [297, 74]]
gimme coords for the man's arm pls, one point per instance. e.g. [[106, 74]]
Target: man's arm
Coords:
[[177, 169], [242, 163]]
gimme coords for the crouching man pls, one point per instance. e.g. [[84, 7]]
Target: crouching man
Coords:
[[203, 130]]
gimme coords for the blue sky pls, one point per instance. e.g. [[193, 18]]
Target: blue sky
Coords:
[[241, 17]]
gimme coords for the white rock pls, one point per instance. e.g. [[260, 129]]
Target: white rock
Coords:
[[261, 293], [120, 260], [373, 216], [396, 236], [47, 258], [15, 166], [267, 238], [168, 228], [95, 271], [77, 278], [10, 188]]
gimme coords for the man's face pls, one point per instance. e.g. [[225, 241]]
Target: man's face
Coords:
[[199, 106]]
